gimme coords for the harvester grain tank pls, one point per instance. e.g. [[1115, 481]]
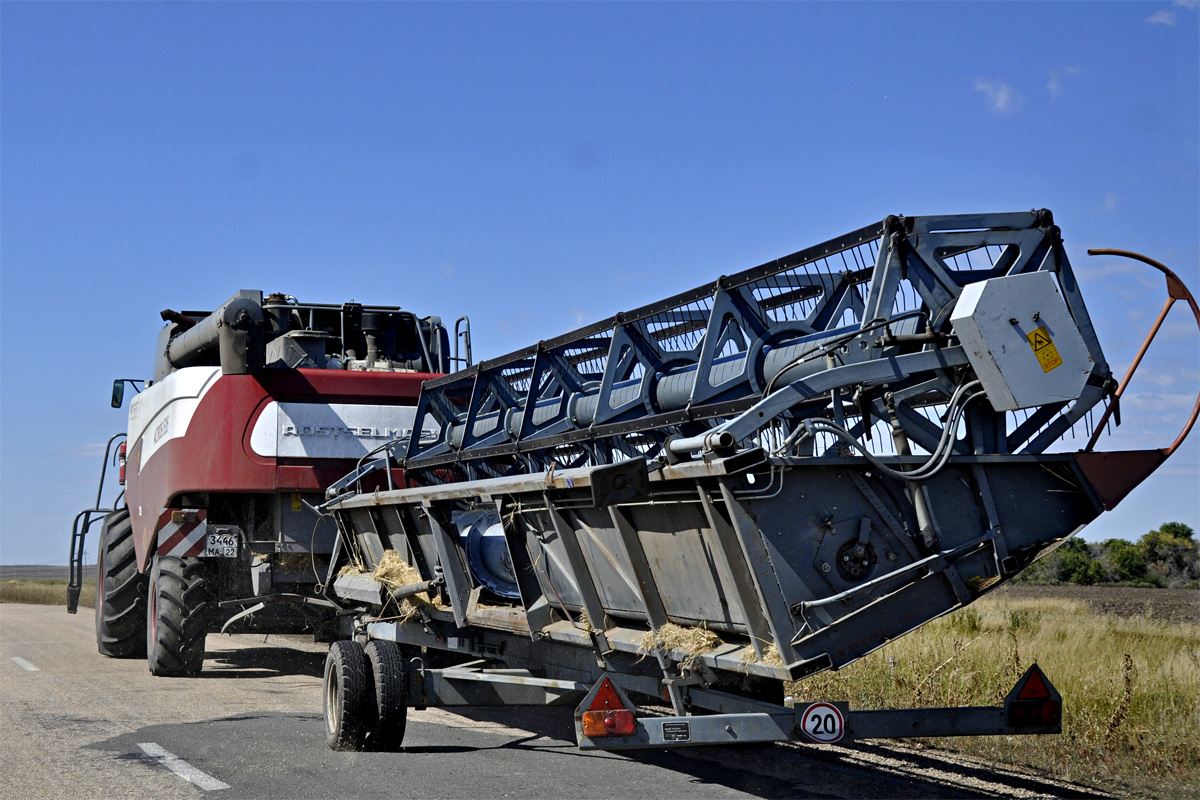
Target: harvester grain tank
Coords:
[[747, 483]]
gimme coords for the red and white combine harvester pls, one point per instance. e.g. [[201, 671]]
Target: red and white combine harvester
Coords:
[[254, 410]]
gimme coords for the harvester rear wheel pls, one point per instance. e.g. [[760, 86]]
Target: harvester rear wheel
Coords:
[[347, 696], [177, 616], [390, 675], [120, 591]]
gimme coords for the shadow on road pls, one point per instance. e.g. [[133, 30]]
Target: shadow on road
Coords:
[[262, 662], [284, 755], [785, 770]]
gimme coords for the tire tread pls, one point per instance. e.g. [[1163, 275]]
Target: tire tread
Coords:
[[183, 612], [389, 679], [347, 665], [121, 591]]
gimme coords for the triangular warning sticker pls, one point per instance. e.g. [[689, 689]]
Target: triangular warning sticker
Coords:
[[1044, 349], [606, 697], [1033, 687]]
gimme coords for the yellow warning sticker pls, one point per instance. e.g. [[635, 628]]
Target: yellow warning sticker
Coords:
[[1044, 349]]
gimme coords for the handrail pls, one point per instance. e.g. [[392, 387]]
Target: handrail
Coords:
[[1176, 290], [78, 534]]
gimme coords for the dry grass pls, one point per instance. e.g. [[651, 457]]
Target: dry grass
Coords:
[[45, 592], [1130, 687], [770, 656], [693, 641], [395, 573]]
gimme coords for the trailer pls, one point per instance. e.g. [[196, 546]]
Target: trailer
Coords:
[[253, 410], [748, 483]]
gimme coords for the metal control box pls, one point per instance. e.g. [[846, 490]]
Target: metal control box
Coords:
[[1021, 340]]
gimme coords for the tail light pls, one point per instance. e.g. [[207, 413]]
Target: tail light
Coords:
[[609, 723], [607, 715], [121, 461]]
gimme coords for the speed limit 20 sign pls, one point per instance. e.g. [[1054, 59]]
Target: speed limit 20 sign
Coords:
[[823, 722]]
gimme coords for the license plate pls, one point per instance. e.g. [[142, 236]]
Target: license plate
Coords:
[[222, 545]]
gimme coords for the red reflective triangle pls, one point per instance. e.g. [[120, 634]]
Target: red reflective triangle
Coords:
[[1034, 686], [606, 697]]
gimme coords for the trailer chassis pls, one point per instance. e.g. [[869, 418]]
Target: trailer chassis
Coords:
[[566, 674]]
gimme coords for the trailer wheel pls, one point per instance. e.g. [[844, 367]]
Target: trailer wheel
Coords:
[[176, 616], [347, 700], [390, 675], [120, 591]]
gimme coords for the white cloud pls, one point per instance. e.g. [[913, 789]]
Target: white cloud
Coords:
[[1159, 402], [1056, 84], [1001, 97], [1165, 379], [1110, 201], [1190, 5], [1090, 269], [519, 319], [1162, 18], [579, 315]]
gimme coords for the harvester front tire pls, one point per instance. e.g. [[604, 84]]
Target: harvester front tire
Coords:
[[120, 591], [347, 696], [176, 616], [390, 676]]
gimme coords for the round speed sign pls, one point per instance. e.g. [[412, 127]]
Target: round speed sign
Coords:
[[823, 722]]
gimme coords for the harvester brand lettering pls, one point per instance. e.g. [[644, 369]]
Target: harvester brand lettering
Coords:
[[386, 434], [333, 430], [160, 430]]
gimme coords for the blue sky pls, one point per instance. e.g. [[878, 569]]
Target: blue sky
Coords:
[[539, 166]]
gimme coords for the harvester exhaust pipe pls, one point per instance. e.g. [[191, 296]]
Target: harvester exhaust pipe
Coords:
[[236, 329]]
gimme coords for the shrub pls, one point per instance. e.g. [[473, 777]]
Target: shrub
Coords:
[[1129, 561], [1076, 564]]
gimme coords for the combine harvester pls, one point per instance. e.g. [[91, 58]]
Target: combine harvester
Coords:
[[745, 484], [253, 411]]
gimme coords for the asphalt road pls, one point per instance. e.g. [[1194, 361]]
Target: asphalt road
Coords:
[[75, 724]]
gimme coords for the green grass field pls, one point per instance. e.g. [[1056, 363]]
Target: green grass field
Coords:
[[1130, 687], [44, 591]]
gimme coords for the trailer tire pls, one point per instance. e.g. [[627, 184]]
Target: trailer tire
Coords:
[[347, 696], [120, 591], [390, 678], [176, 616]]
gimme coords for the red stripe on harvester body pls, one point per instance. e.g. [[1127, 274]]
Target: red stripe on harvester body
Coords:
[[178, 536], [171, 541]]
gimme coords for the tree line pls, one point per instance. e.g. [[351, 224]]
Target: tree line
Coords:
[[1168, 556]]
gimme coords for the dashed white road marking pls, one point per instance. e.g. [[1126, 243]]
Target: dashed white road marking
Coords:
[[25, 665], [182, 768]]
